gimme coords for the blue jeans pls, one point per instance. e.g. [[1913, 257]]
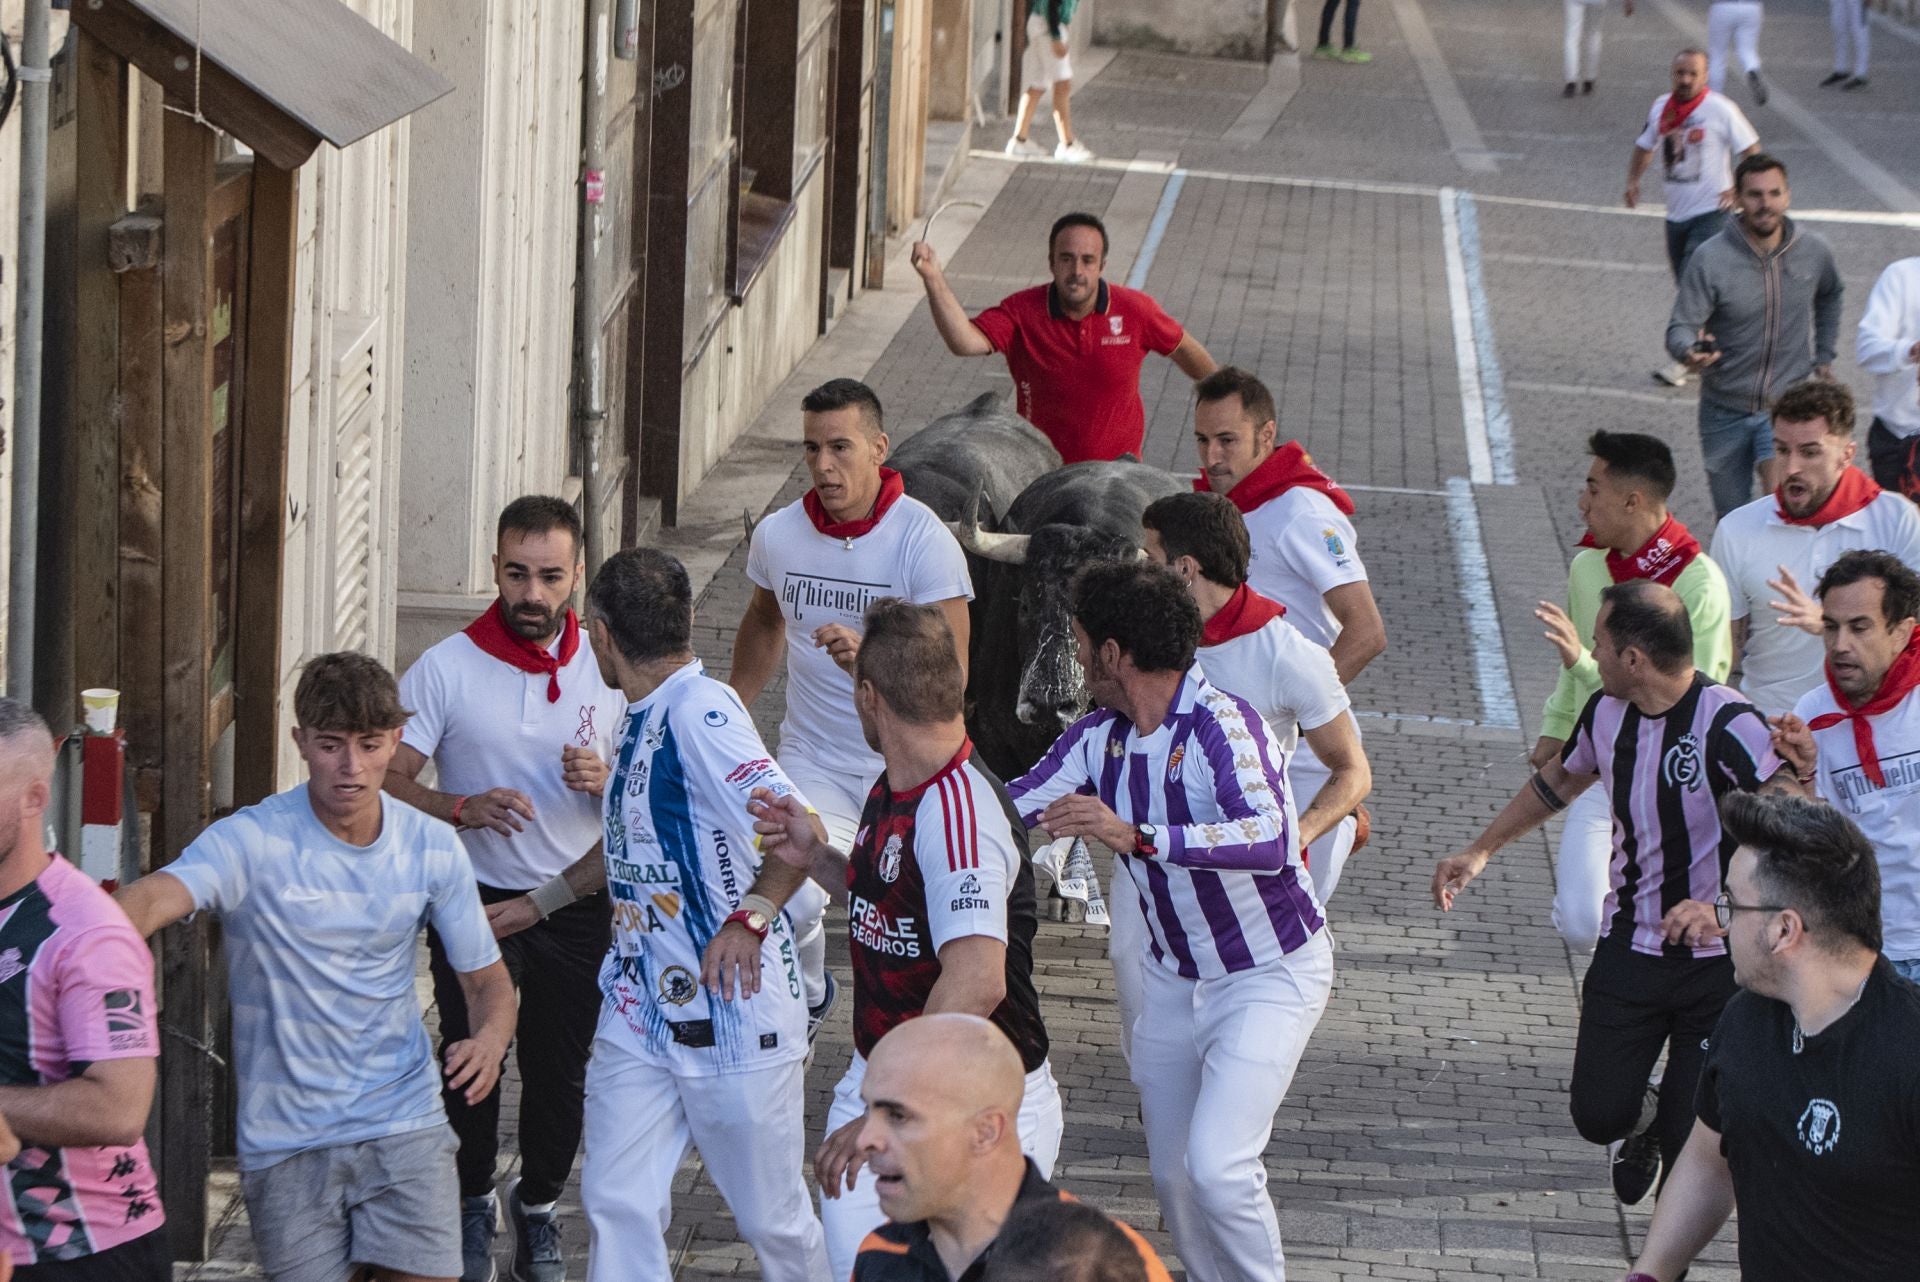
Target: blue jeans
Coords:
[[1732, 443], [1689, 234], [1907, 969]]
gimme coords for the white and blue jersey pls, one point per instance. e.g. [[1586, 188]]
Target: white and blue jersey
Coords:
[[680, 856], [1226, 891]]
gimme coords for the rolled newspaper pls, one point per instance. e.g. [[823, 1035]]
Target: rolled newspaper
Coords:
[[1073, 875]]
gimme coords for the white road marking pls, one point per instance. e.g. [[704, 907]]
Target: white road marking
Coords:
[[1263, 110], [1676, 401], [1449, 104], [1394, 489], [1156, 230], [1497, 704], [1578, 264], [1483, 401]]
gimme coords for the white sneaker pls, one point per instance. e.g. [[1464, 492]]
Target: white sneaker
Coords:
[[1074, 153], [1026, 149], [1674, 375]]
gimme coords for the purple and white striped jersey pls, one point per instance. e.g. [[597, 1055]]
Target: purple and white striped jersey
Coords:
[[1227, 891], [1663, 778]]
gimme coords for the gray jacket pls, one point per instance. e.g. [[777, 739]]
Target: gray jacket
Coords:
[[1774, 317]]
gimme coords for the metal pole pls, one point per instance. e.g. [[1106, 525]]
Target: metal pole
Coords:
[[589, 349], [29, 313]]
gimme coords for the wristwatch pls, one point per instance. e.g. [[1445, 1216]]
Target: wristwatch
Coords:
[[1146, 840], [752, 919]]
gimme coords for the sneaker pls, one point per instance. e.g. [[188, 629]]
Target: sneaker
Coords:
[[1570, 90], [1674, 375], [1636, 1162], [479, 1221], [1758, 86], [1074, 153], [1026, 149], [1355, 56], [1586, 86], [1833, 79], [817, 1015], [536, 1242], [1858, 82], [1326, 51]]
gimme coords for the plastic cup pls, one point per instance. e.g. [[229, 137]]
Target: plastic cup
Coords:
[[102, 709]]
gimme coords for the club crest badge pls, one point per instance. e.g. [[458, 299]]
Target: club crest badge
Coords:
[[890, 860]]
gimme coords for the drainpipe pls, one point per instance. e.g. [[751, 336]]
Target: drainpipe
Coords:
[[589, 353], [29, 319]]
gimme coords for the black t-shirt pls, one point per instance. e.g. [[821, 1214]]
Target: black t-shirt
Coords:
[[1824, 1145]]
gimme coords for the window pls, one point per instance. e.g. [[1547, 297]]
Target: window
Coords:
[[783, 47]]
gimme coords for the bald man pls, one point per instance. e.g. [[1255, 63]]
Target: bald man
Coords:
[[941, 1142], [77, 1046]]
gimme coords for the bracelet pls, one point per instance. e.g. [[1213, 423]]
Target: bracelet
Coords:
[[1543, 790], [759, 904], [551, 895], [458, 806], [1807, 777]]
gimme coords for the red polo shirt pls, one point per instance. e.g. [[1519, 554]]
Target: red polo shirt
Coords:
[[1078, 381]]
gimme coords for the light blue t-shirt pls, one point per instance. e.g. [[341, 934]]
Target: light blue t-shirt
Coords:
[[321, 940]]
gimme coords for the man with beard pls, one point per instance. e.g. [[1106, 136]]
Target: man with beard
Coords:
[[1856, 736], [1630, 535], [1824, 507], [1074, 347], [519, 725], [1187, 785], [1758, 311]]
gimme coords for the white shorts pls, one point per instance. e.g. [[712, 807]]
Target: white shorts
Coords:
[[854, 1214], [1038, 66]]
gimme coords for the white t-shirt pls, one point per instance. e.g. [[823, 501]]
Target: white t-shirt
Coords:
[[1697, 158], [1751, 544], [1290, 681], [821, 580], [1889, 816], [487, 724], [1303, 548]]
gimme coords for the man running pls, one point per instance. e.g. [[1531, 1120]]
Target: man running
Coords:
[[1046, 69], [1852, 44], [1665, 744], [1824, 507], [1630, 535], [1074, 347], [1187, 785], [1887, 345], [939, 894], [346, 1159], [1736, 23], [703, 1035], [816, 565], [518, 724]]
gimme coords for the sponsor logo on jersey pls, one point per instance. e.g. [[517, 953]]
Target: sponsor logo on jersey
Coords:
[[769, 1041], [667, 902], [749, 773], [10, 964], [889, 867], [583, 734], [715, 718], [1115, 748], [1819, 1127], [818, 593], [677, 986], [723, 858], [871, 928], [643, 874], [126, 1016], [1681, 767], [970, 885], [1336, 546]]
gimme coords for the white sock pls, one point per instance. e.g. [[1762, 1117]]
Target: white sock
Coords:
[[544, 1208]]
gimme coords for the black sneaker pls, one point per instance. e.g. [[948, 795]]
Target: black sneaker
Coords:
[[479, 1221], [1833, 79], [1586, 86], [1858, 82], [1758, 86], [536, 1242], [1636, 1163]]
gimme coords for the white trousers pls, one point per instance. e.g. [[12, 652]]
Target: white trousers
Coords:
[[1582, 53], [1213, 1059], [1127, 949], [1850, 36], [750, 1128], [839, 798], [1327, 856], [856, 1213], [1580, 870], [1737, 21]]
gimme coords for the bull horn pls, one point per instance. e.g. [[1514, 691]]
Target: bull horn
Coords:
[[1009, 549]]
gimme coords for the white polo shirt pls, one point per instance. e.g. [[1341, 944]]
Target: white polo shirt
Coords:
[[1290, 681], [1751, 544], [487, 724], [1303, 548], [820, 580], [1889, 816]]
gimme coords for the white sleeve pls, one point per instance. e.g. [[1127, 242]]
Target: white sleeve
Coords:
[[1878, 343], [759, 560], [1309, 684], [967, 860], [728, 761], [1725, 553], [1740, 131], [1907, 545], [423, 691], [939, 566], [1321, 549], [1650, 136], [454, 907], [213, 868]]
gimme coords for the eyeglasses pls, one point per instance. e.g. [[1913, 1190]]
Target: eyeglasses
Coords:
[[1724, 908]]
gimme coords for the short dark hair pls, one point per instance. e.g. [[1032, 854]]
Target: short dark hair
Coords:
[[1814, 398], [1758, 163], [1812, 859], [1900, 598], [1142, 606], [1055, 1240], [347, 692], [846, 393], [1206, 527], [1077, 219], [907, 654], [1636, 456], [644, 597], [537, 514], [1231, 380], [1652, 619]]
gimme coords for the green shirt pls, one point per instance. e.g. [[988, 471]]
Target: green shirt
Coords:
[[1700, 585]]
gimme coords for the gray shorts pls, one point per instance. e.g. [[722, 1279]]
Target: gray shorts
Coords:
[[392, 1202]]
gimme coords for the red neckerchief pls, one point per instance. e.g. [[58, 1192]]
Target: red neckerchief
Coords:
[[1661, 558], [891, 488], [1280, 471], [1675, 113], [491, 633], [1245, 611], [1901, 680], [1855, 490]]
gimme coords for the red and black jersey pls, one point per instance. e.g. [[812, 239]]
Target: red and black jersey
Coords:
[[945, 860]]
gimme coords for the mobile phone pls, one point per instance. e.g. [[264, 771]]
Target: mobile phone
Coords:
[[1703, 346]]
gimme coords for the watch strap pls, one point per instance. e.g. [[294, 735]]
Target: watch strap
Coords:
[[745, 918]]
